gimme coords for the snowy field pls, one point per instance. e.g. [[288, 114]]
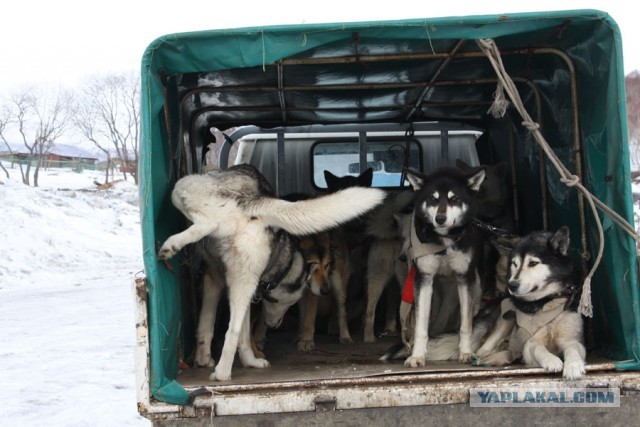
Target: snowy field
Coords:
[[69, 255]]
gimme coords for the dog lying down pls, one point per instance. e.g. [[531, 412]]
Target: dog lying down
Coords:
[[539, 318], [237, 209]]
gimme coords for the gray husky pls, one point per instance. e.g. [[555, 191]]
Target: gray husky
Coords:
[[539, 318], [237, 209]]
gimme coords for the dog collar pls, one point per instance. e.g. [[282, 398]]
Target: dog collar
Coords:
[[263, 292]]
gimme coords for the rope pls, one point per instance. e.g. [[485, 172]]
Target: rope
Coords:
[[505, 84]]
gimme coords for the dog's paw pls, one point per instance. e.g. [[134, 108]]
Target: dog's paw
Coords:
[[220, 376], [465, 357], [483, 352], [166, 252], [389, 333], [415, 361], [346, 340], [500, 358], [205, 361], [574, 370], [306, 345], [259, 363], [369, 338], [551, 363]]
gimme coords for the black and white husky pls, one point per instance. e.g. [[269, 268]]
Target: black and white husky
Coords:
[[539, 318], [444, 241], [236, 208]]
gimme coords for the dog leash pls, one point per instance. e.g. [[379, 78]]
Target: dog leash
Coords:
[[500, 232]]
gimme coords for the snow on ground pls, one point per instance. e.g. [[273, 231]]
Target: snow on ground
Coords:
[[68, 257]]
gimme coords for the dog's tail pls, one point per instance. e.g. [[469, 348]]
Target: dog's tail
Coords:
[[317, 214], [446, 346], [442, 347]]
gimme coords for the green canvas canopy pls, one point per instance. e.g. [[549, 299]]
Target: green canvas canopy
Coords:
[[567, 66]]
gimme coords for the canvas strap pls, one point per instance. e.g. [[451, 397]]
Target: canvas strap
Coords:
[[418, 249], [528, 324]]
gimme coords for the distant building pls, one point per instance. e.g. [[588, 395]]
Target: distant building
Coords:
[[59, 155]]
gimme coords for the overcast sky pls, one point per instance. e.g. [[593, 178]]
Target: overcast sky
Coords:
[[60, 42]]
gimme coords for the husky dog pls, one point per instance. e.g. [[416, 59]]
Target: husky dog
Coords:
[[445, 242], [495, 214], [539, 319], [352, 234], [386, 259], [493, 201], [327, 258], [280, 286], [335, 183], [237, 209]]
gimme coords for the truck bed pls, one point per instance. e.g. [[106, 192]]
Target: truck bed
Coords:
[[334, 363]]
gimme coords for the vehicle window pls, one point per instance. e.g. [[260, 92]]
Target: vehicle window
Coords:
[[386, 158]]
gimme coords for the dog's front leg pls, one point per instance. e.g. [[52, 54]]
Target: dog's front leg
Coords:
[[339, 286], [245, 350], [197, 231], [423, 291], [213, 285], [465, 293], [536, 354], [379, 272], [260, 331], [240, 290], [569, 329], [308, 325], [574, 360]]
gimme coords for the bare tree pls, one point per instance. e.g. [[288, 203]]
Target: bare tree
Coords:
[[108, 115], [40, 117], [5, 119]]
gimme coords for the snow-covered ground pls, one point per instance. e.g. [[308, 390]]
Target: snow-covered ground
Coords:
[[68, 256]]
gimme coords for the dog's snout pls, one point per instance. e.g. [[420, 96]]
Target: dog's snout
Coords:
[[513, 286], [325, 290], [441, 219]]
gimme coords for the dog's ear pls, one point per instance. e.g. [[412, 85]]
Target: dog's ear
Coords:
[[416, 180], [331, 179], [475, 179], [461, 164], [504, 245], [366, 178], [560, 240]]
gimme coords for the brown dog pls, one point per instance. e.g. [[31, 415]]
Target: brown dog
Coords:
[[327, 258]]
